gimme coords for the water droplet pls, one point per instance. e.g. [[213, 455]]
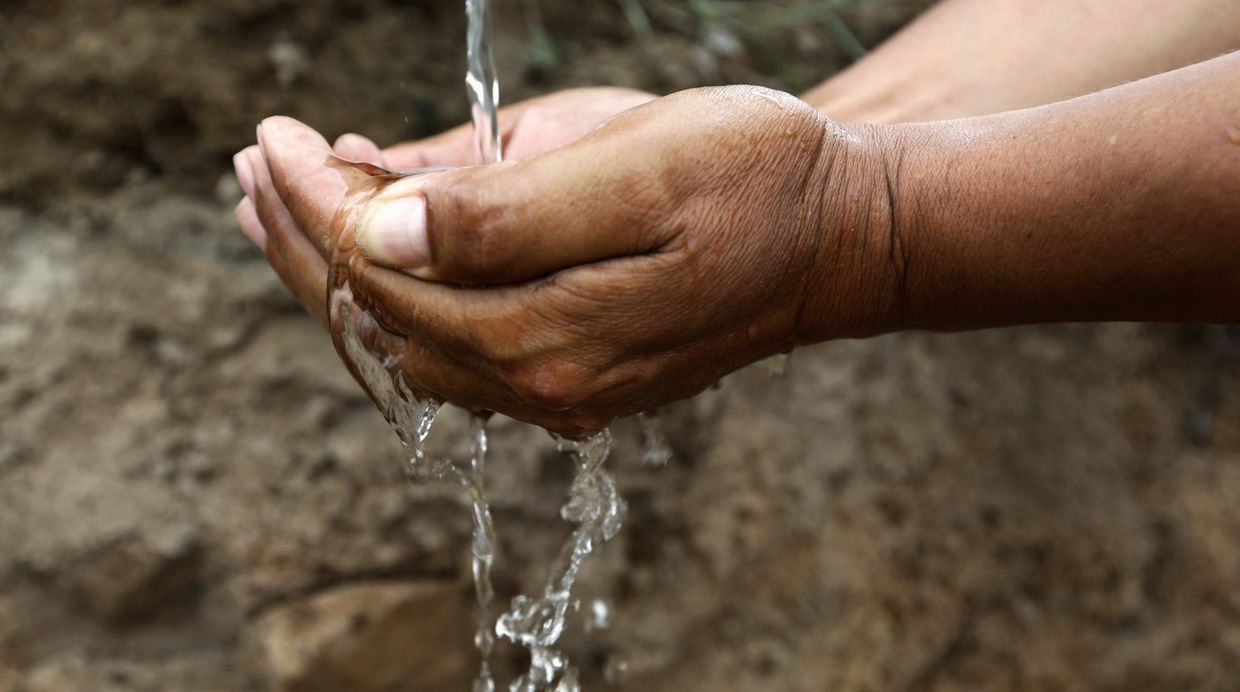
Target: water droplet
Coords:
[[658, 450]]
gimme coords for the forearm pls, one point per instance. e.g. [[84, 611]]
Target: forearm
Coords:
[[975, 57], [1122, 205]]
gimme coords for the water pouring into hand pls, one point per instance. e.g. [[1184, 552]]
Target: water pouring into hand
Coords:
[[375, 355]]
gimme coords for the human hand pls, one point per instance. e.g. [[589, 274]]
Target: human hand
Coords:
[[965, 58], [680, 241], [530, 127]]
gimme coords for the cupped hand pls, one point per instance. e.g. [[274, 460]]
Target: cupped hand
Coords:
[[679, 241], [530, 127]]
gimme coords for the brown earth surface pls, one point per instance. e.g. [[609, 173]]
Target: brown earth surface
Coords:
[[195, 496]]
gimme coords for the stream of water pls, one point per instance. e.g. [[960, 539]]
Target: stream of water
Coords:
[[594, 506]]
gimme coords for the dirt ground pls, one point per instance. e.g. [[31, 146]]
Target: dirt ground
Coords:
[[194, 495]]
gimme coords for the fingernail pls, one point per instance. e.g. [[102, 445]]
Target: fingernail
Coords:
[[394, 233], [245, 174]]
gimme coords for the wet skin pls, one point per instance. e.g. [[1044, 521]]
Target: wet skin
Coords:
[[693, 234], [547, 304]]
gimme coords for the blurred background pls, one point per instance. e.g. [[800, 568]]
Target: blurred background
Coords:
[[195, 496]]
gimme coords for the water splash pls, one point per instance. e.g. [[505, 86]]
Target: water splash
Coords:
[[537, 623], [615, 670], [483, 548], [777, 366], [657, 449], [412, 417], [599, 617], [376, 357], [594, 504]]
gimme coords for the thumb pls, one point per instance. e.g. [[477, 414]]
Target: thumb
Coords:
[[511, 222]]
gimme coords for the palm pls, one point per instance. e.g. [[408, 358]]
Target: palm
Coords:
[[527, 128]]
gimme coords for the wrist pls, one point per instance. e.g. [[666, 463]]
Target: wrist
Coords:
[[858, 281]]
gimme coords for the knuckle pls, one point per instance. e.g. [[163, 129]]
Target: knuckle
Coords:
[[485, 243], [557, 385], [575, 426], [482, 240]]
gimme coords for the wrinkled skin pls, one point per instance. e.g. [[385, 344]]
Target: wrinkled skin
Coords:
[[678, 241], [527, 128]]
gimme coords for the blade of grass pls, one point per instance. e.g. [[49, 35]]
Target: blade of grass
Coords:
[[638, 19], [843, 36]]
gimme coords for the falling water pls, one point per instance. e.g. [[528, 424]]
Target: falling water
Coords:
[[376, 357], [658, 450], [537, 623], [412, 417], [777, 365], [482, 82]]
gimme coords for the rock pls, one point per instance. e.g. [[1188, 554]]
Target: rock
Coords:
[[74, 673], [987, 511], [368, 637], [75, 670], [8, 678], [131, 576]]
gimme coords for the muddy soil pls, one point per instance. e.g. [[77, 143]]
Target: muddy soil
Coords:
[[195, 496]]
